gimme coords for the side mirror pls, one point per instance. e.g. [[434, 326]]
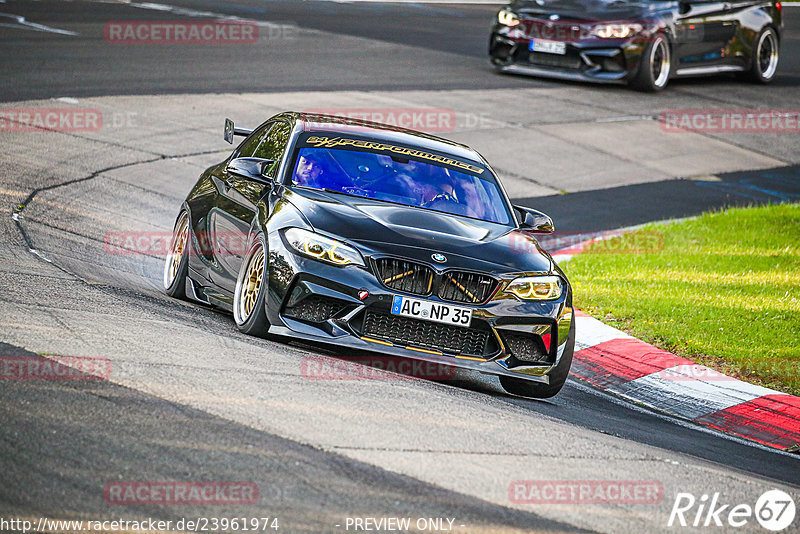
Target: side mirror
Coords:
[[684, 6], [535, 220], [251, 168]]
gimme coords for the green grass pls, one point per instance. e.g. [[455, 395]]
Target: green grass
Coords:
[[723, 291]]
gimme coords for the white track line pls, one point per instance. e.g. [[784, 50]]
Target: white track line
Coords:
[[23, 24]]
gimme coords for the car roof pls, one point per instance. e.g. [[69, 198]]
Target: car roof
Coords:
[[313, 122]]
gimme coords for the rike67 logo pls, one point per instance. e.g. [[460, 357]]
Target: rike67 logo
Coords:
[[774, 511]]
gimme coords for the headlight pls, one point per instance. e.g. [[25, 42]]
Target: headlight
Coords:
[[322, 248], [617, 31], [536, 287], [507, 18]]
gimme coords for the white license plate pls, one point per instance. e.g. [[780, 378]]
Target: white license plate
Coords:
[[432, 311], [548, 47]]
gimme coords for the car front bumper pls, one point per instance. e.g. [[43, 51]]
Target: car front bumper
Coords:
[[590, 60], [315, 301]]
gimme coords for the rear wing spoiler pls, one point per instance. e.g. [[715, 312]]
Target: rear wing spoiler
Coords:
[[231, 130]]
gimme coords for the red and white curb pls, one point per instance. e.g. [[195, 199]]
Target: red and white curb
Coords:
[[614, 361]]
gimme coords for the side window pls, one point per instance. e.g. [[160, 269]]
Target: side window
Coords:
[[273, 145], [249, 145]]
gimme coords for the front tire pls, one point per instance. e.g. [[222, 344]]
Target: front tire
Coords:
[[176, 265], [765, 56], [249, 297], [654, 67], [558, 376]]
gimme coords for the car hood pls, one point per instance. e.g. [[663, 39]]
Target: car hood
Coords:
[[386, 228], [591, 10]]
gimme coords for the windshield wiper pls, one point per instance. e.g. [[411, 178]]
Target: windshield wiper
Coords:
[[329, 190]]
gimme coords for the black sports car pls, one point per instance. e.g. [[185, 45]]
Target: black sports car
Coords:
[[374, 237], [641, 42]]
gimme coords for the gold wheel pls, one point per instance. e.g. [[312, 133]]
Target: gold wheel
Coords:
[[249, 285], [179, 240]]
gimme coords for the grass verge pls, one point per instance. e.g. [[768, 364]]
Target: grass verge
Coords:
[[722, 290]]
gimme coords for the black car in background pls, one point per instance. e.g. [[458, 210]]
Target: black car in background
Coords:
[[640, 42], [372, 237]]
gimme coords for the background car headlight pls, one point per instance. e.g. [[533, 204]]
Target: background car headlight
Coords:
[[507, 18], [616, 31], [322, 248], [536, 287]]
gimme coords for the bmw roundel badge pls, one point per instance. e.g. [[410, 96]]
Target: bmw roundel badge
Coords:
[[439, 258]]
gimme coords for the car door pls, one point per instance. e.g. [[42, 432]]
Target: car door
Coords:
[[208, 205], [704, 30], [237, 203]]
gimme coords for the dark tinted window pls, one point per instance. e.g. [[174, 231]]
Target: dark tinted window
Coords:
[[248, 147], [273, 145]]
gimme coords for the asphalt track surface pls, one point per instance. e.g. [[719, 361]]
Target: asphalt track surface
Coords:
[[62, 441]]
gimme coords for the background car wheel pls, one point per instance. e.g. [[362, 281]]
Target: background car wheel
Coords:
[[176, 264], [654, 67], [249, 297], [765, 56], [558, 376]]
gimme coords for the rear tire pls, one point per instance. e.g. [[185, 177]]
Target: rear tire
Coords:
[[765, 56], [558, 376], [655, 66], [176, 265], [249, 297]]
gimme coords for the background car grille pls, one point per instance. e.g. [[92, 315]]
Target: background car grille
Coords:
[[315, 308], [425, 334], [567, 61], [405, 275], [461, 286]]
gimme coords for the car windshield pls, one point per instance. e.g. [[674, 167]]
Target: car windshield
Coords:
[[400, 175]]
